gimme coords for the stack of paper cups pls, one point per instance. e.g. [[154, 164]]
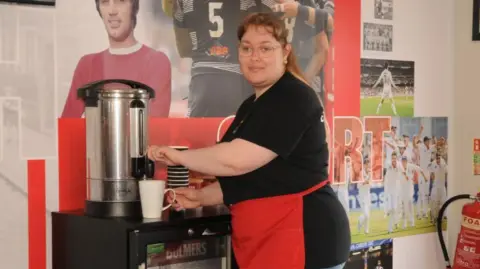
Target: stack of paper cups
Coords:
[[178, 176]]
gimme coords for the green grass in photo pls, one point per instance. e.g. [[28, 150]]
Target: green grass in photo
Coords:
[[404, 105], [379, 227]]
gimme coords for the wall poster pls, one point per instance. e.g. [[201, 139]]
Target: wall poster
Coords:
[[476, 157], [391, 174], [376, 254]]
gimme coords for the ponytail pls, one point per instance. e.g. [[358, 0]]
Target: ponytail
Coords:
[[293, 68]]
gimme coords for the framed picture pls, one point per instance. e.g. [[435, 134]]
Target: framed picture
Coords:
[[476, 21], [31, 2]]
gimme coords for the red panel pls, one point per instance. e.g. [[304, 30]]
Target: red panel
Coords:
[[347, 57], [37, 218], [71, 164]]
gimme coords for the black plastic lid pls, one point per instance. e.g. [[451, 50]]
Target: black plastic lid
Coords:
[[90, 91]]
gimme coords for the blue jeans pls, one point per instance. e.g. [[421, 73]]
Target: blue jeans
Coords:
[[340, 266]]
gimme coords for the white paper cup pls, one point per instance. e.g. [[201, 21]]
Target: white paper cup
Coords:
[[152, 193]]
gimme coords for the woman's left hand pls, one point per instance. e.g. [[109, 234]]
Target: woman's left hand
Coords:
[[288, 7], [163, 154]]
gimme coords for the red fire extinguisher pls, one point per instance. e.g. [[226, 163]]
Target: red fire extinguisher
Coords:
[[467, 252]]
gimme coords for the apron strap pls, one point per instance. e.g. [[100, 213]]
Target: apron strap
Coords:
[[314, 188]]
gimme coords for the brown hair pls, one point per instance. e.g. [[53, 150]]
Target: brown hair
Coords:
[[135, 9], [277, 28]]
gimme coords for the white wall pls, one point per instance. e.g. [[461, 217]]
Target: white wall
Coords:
[[422, 32], [466, 124]]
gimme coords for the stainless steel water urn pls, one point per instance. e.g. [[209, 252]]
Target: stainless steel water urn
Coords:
[[117, 139]]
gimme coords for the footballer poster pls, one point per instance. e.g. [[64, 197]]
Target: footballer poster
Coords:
[[387, 87]]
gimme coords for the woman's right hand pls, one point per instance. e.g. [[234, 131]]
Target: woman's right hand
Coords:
[[165, 155], [186, 198]]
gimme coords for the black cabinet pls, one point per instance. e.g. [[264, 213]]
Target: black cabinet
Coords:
[[190, 239]]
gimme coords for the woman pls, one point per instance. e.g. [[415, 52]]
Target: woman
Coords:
[[272, 163]]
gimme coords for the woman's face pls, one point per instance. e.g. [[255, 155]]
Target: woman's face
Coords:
[[262, 58]]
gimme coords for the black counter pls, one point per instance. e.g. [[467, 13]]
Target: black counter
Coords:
[[80, 242]]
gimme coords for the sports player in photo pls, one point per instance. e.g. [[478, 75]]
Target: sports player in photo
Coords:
[[379, 265], [442, 148], [206, 32], [393, 132], [389, 149], [365, 199], [399, 148], [125, 58], [391, 186], [342, 187], [365, 260], [390, 145], [408, 146], [408, 91], [379, 7], [407, 190], [439, 169], [386, 79], [310, 27], [425, 151]]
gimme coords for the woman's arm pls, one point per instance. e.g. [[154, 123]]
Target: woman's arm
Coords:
[[183, 42], [226, 159], [211, 195], [319, 57], [193, 198], [180, 27]]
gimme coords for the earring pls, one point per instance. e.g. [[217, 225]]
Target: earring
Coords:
[[285, 61]]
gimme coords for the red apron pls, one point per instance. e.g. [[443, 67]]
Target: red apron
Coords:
[[268, 232]]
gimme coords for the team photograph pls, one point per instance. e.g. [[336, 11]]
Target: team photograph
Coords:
[[377, 37], [384, 9], [403, 191], [387, 88]]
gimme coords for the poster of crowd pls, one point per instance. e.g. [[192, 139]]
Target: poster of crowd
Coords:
[[405, 178]]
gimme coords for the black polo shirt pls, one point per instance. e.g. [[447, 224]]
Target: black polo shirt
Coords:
[[288, 120]]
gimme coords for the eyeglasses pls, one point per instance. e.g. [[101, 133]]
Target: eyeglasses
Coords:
[[263, 51]]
